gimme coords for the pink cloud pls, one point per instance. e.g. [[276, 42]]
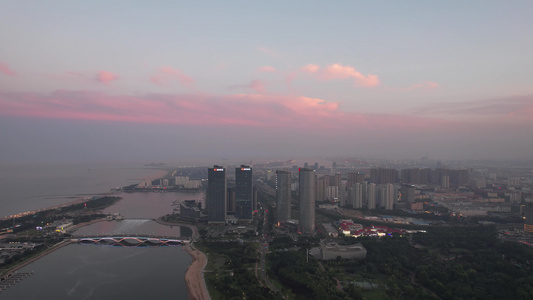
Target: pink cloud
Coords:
[[106, 77], [259, 110], [4, 68], [338, 71], [310, 68], [266, 69], [167, 75], [334, 72]]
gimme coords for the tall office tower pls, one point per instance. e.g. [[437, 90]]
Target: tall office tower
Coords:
[[356, 195], [320, 190], [445, 184], [244, 193], [371, 195], [283, 195], [307, 181], [216, 195], [230, 205], [386, 192], [408, 193]]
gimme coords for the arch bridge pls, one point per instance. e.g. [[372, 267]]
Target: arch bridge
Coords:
[[130, 241]]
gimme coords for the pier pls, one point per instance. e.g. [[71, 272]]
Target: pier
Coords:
[[12, 279]]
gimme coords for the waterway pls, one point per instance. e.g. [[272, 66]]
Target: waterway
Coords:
[[30, 186], [102, 272]]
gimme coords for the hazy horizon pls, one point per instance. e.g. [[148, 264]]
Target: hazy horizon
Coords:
[[166, 81]]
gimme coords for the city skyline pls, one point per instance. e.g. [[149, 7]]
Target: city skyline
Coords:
[[133, 81]]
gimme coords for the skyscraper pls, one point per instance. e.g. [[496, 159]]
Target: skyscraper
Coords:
[[307, 189], [283, 195], [216, 195], [244, 193]]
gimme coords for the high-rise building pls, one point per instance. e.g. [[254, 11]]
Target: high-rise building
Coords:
[[386, 192], [354, 178], [283, 195], [408, 193], [383, 175], [216, 195], [356, 195], [445, 184], [371, 196], [244, 193], [307, 189], [320, 190]]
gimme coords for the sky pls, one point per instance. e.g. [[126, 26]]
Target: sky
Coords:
[[166, 80]]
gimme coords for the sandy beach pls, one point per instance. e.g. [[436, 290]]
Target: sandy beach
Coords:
[[195, 276]]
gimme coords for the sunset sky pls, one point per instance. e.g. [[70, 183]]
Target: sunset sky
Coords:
[[163, 80]]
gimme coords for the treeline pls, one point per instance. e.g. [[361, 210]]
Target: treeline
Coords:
[[305, 279], [448, 263], [235, 279]]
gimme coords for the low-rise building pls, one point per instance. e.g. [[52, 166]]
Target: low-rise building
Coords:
[[332, 250]]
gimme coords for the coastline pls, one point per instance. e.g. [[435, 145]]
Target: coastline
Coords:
[[36, 257], [55, 247], [194, 277]]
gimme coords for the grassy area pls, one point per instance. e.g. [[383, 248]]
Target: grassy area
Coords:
[[375, 294]]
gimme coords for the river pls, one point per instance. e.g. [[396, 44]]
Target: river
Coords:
[[103, 272]]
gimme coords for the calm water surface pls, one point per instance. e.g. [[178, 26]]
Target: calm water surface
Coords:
[[99, 272], [25, 187]]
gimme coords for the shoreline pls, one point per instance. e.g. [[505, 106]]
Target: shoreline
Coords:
[[55, 247], [78, 200], [194, 277], [38, 256]]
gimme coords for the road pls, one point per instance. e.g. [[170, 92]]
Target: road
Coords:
[[263, 251]]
